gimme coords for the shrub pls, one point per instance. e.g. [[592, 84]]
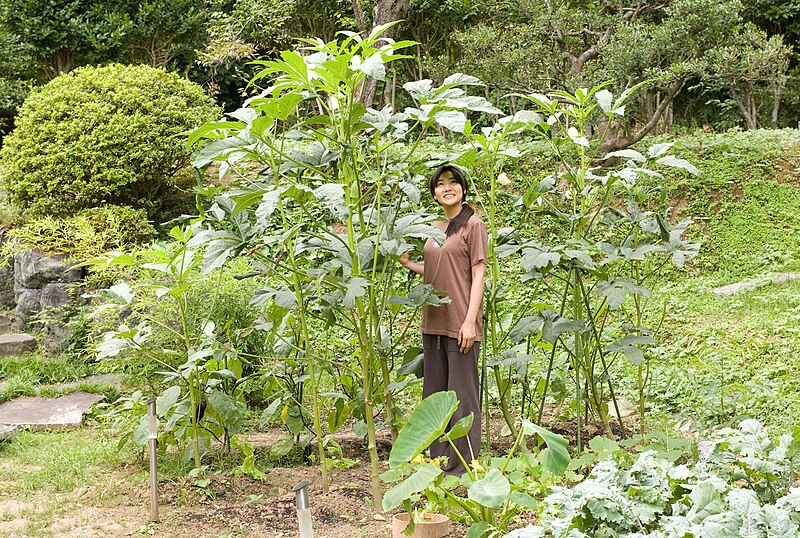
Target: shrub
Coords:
[[101, 135], [88, 234]]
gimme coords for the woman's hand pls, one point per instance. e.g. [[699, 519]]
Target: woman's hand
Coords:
[[406, 262], [466, 336]]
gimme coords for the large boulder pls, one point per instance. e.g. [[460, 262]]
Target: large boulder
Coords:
[[7, 283], [28, 306], [33, 270]]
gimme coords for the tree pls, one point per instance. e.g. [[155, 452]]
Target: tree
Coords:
[[15, 75], [163, 30], [101, 135], [752, 69], [68, 34], [554, 45]]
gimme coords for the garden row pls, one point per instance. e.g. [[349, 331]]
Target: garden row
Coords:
[[282, 291]]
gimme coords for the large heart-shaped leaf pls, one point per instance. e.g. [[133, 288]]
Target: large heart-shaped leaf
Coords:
[[415, 483], [426, 424], [555, 458], [491, 491]]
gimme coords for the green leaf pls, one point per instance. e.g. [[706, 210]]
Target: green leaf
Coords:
[[282, 446], [478, 529], [706, 501], [605, 99], [460, 79], [657, 150], [142, 432], [419, 89], [603, 446], [412, 363], [419, 295], [675, 162], [629, 346], [452, 120], [524, 327], [371, 66], [231, 412], [491, 491], [355, 287], [523, 499], [615, 291], [332, 197], [360, 429], [425, 474], [167, 400], [555, 458], [459, 429], [426, 424], [627, 154]]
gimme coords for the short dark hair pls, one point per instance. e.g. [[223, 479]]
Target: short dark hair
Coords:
[[462, 218]]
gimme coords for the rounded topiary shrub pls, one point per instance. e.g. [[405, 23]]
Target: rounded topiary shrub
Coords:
[[101, 135]]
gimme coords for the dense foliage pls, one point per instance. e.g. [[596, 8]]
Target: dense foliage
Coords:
[[101, 136]]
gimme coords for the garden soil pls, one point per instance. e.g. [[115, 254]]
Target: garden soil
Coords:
[[116, 502]]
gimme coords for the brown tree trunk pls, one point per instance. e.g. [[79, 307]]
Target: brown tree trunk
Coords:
[[358, 13], [384, 11], [666, 98], [743, 103], [777, 93]]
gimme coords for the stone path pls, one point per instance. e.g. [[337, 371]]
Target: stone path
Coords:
[[730, 289], [48, 413], [16, 344]]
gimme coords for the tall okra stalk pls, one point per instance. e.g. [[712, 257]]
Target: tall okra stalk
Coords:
[[607, 233]]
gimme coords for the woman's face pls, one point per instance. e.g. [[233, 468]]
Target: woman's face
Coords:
[[448, 191]]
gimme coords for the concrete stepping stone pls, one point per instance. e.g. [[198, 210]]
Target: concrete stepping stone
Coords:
[[12, 345], [48, 413], [98, 379], [730, 289]]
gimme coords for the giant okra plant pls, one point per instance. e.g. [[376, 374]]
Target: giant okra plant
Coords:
[[590, 288], [332, 211]]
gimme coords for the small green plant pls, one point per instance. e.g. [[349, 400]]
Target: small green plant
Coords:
[[204, 399], [498, 488], [742, 485]]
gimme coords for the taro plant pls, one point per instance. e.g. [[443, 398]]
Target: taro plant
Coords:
[[498, 488], [330, 212]]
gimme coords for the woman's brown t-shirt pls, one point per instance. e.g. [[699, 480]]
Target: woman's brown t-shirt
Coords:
[[448, 268]]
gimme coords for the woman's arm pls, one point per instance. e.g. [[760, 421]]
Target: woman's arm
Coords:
[[406, 262], [468, 331]]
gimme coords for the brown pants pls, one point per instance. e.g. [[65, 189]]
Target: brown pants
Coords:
[[446, 368]]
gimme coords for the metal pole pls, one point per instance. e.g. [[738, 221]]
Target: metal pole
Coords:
[[152, 434], [303, 509]]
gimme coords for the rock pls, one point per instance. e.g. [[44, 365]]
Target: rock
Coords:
[[7, 432], [33, 270], [28, 305], [48, 413], [59, 299], [16, 344], [56, 336], [7, 299], [6, 325]]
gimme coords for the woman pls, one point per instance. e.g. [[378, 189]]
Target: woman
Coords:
[[451, 333]]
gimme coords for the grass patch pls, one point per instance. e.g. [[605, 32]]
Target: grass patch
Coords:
[[56, 461]]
